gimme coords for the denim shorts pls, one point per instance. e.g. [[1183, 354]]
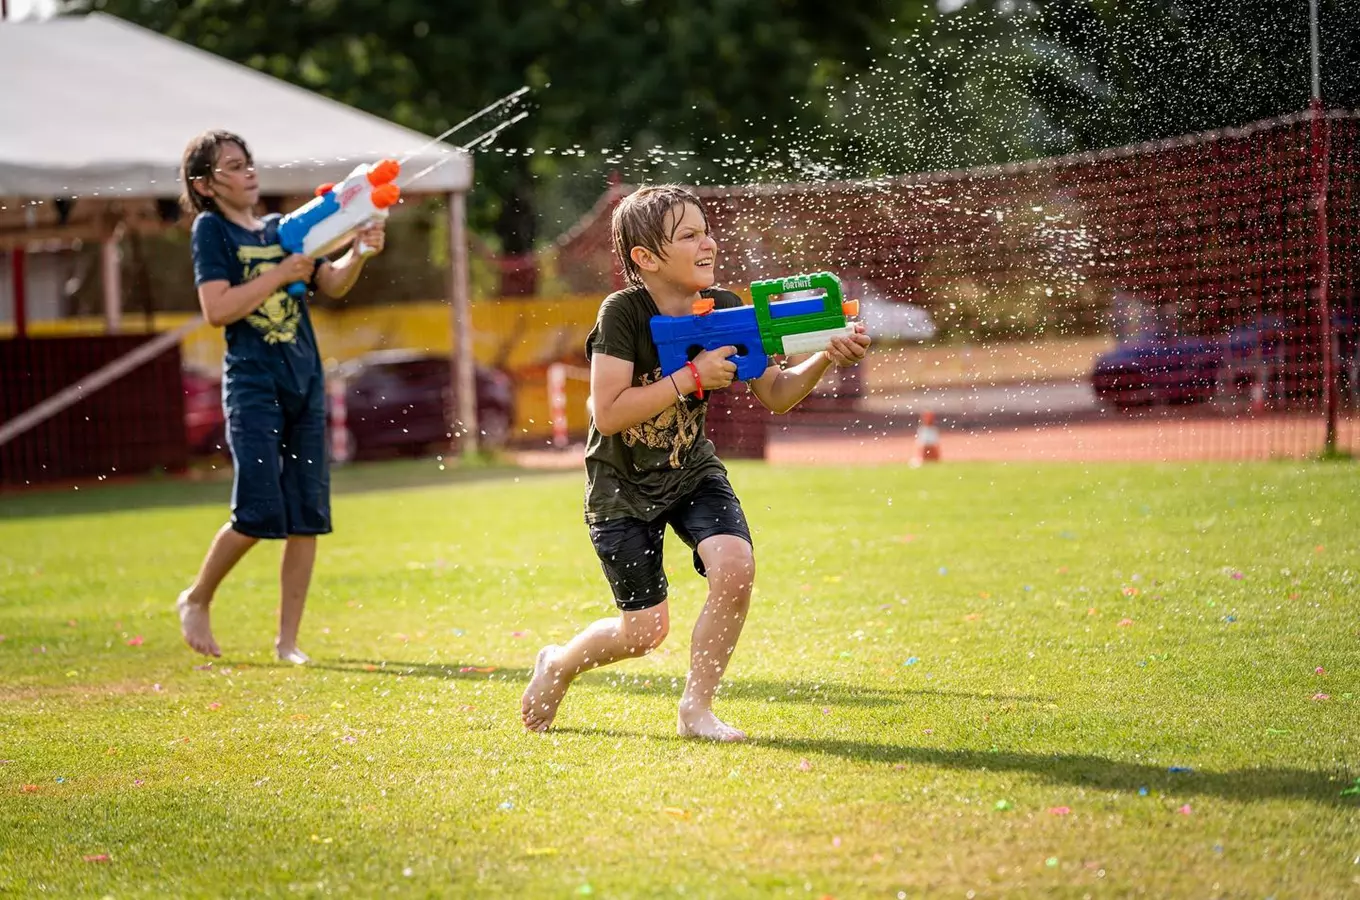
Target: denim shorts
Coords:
[[279, 451], [630, 548]]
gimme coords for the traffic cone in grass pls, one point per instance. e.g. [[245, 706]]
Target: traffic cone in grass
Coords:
[[927, 440]]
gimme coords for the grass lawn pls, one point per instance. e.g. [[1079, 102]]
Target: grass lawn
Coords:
[[1038, 680]]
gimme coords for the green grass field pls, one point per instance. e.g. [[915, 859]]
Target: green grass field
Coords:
[[1011, 680]]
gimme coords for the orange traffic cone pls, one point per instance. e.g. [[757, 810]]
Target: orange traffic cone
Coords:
[[927, 440]]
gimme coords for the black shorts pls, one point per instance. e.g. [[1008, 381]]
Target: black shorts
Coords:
[[630, 548]]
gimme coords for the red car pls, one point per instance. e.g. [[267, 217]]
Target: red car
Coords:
[[204, 425]]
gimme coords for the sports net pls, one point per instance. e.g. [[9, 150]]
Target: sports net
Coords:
[[1185, 299]]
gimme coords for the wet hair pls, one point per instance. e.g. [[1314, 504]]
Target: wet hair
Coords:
[[640, 221], [200, 157]]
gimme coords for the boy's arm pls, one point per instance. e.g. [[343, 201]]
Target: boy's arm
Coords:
[[780, 390], [336, 278], [617, 405], [223, 304]]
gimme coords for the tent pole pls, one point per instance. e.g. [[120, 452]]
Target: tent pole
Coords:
[[110, 258], [464, 383], [16, 256]]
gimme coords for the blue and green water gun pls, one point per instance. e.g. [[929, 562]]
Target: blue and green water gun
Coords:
[[767, 327]]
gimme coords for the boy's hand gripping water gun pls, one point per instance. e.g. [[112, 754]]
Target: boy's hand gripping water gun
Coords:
[[331, 218], [761, 330]]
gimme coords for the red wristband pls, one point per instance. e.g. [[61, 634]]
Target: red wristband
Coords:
[[699, 385]]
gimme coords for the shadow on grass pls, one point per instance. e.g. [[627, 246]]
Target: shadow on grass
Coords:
[[1077, 770], [209, 489], [1074, 769], [817, 693], [1087, 771], [452, 671]]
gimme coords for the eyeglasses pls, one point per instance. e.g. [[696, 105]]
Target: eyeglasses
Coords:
[[235, 166]]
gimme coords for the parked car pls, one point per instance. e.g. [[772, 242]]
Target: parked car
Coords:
[[204, 424], [402, 402], [889, 320], [1265, 357], [397, 402], [1158, 369]]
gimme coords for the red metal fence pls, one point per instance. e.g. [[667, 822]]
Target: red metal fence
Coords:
[[130, 427]]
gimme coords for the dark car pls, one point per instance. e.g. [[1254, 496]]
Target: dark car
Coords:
[[403, 402], [1157, 369], [1265, 358]]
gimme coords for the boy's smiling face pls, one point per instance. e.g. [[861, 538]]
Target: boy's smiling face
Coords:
[[233, 182], [688, 258]]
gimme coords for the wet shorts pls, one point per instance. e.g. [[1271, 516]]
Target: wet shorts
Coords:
[[630, 548], [278, 446]]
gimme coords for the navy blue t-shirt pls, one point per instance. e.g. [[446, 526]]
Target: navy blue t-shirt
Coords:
[[276, 341]]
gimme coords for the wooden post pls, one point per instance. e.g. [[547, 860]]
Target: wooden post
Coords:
[[112, 270], [464, 382]]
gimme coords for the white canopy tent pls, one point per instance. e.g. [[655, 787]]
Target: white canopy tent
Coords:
[[97, 106], [95, 113]]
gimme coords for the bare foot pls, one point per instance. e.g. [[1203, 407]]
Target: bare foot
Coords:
[[701, 723], [292, 655], [194, 625], [538, 706]]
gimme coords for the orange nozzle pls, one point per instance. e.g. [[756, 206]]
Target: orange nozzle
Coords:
[[324, 188], [384, 195], [384, 172], [703, 306], [850, 308]]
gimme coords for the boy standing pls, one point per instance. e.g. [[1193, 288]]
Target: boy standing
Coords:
[[274, 393], [649, 463]]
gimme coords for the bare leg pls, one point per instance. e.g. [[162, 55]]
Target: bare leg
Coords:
[[295, 576], [731, 569], [226, 550], [630, 635]]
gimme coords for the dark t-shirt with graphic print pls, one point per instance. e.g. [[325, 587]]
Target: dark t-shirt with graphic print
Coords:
[[275, 342], [642, 471]]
